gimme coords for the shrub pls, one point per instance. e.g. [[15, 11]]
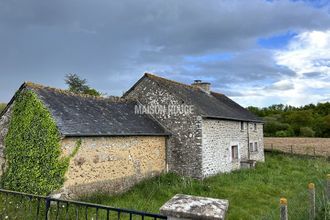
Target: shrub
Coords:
[[33, 148], [307, 132]]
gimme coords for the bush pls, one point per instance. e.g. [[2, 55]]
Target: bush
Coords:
[[33, 148], [307, 132]]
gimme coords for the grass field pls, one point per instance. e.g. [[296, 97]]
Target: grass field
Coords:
[[300, 145], [252, 194]]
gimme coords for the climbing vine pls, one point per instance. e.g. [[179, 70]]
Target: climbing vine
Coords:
[[33, 153]]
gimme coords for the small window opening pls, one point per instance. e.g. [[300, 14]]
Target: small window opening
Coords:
[[234, 152]]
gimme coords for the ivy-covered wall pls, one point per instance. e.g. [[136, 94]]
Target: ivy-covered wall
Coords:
[[32, 148]]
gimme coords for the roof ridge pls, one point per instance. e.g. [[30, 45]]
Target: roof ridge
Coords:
[[33, 85], [217, 93], [150, 75]]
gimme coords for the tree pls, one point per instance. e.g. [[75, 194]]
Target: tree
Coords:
[[79, 86], [286, 120]]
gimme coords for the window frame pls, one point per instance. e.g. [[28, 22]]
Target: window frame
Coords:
[[230, 149], [255, 146], [233, 156], [251, 146]]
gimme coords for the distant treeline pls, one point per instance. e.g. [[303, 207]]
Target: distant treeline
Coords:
[[288, 121]]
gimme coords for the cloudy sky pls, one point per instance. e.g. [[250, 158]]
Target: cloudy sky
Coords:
[[257, 52]]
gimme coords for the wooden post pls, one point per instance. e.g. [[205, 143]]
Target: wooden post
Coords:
[[272, 147], [291, 149], [311, 192], [314, 152], [283, 209], [328, 187]]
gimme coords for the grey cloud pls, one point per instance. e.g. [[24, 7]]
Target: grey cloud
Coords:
[[314, 74], [280, 87], [111, 43]]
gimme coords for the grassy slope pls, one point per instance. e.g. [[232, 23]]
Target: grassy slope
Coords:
[[253, 194]]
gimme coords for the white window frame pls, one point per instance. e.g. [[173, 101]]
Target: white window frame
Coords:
[[251, 146], [255, 146], [238, 151]]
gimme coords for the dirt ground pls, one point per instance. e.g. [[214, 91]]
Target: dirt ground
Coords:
[[297, 145]]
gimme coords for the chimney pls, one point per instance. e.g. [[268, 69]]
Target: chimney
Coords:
[[205, 86]]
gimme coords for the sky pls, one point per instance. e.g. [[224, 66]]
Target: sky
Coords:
[[256, 52]]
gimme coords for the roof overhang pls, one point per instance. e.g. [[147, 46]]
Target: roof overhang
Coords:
[[116, 135], [232, 119]]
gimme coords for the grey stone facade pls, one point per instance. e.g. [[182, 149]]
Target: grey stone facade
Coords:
[[184, 145], [218, 138], [199, 146]]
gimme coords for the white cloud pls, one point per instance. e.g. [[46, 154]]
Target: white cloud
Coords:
[[307, 52], [308, 55]]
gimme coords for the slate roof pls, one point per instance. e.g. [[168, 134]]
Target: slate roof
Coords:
[[81, 115], [213, 105]]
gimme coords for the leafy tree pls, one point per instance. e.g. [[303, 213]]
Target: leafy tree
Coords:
[[79, 86], [285, 120]]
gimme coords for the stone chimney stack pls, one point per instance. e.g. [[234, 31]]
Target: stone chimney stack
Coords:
[[205, 86]]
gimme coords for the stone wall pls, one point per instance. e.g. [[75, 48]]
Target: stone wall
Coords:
[[219, 136], [4, 126], [111, 164], [257, 136], [184, 146]]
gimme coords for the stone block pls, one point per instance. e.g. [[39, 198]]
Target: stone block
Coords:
[[195, 207]]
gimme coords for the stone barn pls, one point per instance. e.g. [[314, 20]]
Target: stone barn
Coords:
[[117, 148], [111, 144], [218, 135]]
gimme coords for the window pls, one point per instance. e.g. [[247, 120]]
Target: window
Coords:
[[251, 147], [234, 152], [242, 125], [255, 126]]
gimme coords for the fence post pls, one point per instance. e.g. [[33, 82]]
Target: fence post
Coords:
[[291, 149], [314, 152], [283, 209], [328, 187], [47, 207], [272, 147], [311, 192]]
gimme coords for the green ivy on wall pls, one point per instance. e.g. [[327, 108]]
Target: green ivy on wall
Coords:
[[33, 152]]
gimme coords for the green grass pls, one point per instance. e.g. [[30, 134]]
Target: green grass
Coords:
[[252, 194]]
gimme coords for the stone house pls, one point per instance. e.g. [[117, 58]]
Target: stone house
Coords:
[[218, 135], [202, 133], [118, 148]]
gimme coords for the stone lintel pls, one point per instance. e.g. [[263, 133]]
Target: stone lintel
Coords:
[[195, 207]]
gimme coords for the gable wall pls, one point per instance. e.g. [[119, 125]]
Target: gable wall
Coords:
[[111, 164], [184, 146], [219, 136]]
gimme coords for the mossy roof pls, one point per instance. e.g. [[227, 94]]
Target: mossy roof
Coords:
[[84, 115]]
